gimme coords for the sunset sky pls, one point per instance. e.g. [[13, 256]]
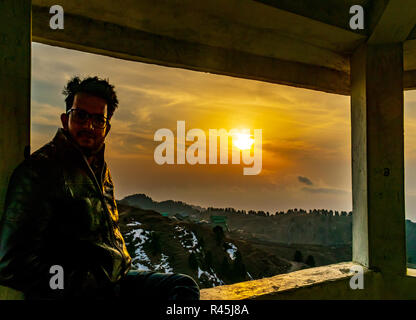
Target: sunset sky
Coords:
[[306, 134]]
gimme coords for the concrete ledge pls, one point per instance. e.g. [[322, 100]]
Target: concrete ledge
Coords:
[[411, 272], [322, 283], [10, 294], [282, 283]]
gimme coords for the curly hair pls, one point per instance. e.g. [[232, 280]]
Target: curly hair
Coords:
[[94, 86]]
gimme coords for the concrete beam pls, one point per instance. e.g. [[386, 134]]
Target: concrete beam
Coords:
[[409, 53], [409, 80], [15, 58], [378, 158], [331, 12], [242, 25], [113, 40], [409, 64], [396, 22]]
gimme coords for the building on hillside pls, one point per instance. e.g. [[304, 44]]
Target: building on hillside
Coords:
[[219, 221]]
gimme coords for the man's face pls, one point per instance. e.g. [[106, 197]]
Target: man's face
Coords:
[[87, 136]]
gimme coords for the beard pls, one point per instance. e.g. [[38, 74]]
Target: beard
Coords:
[[89, 151]]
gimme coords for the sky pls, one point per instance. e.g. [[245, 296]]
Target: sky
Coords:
[[306, 135]]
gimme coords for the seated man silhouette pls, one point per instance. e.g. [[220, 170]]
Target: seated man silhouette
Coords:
[[60, 210]]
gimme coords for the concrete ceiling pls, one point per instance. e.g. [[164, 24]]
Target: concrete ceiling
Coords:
[[300, 43]]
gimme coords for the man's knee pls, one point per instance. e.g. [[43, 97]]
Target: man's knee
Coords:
[[169, 286], [184, 288]]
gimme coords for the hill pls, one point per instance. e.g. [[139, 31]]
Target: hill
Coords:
[[209, 256], [169, 206]]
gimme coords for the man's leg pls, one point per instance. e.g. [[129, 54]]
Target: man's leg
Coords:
[[161, 286]]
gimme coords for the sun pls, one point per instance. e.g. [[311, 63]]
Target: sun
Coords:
[[243, 141]]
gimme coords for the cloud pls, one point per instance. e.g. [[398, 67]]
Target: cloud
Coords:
[[324, 190], [45, 114], [305, 180]]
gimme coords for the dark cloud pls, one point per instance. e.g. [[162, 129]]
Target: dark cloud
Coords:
[[323, 190], [305, 180]]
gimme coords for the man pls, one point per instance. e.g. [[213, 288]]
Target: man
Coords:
[[60, 211]]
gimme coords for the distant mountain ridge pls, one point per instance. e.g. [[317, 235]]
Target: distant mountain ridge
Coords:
[[143, 201], [293, 227]]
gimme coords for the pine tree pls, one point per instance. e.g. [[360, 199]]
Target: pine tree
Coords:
[[193, 262], [239, 267], [310, 261], [219, 234], [153, 245], [208, 259], [298, 256], [225, 267]]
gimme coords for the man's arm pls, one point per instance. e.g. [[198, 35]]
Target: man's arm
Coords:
[[30, 242], [22, 228]]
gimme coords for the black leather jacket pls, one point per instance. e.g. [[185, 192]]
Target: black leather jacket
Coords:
[[58, 213]]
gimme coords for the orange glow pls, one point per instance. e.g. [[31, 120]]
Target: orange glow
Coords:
[[244, 141]]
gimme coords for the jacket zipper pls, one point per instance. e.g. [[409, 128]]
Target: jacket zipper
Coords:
[[103, 203]]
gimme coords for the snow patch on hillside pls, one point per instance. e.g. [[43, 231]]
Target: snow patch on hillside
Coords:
[[140, 259], [211, 276], [232, 251], [187, 239], [163, 266], [133, 224], [142, 235]]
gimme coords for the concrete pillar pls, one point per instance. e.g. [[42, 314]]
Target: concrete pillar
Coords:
[[378, 158], [15, 53]]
